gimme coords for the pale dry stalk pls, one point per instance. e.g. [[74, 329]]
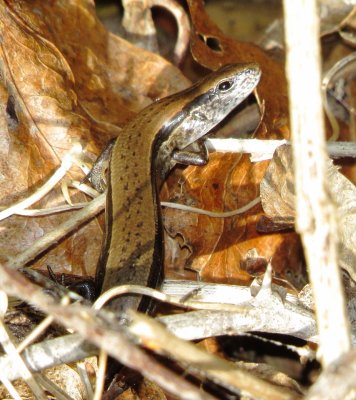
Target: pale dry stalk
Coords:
[[316, 219]]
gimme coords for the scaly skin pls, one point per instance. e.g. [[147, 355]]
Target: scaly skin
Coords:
[[143, 154]]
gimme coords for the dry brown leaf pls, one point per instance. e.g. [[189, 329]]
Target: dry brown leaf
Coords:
[[277, 187], [128, 394], [63, 376], [334, 14], [113, 79], [150, 390], [139, 28], [278, 196], [211, 48], [220, 245]]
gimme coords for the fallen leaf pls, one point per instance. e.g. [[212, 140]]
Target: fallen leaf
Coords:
[[212, 48], [219, 245], [278, 199]]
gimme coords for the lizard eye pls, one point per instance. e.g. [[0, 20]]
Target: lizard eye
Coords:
[[224, 86]]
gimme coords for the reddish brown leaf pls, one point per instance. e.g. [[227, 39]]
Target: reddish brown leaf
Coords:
[[220, 245], [211, 48]]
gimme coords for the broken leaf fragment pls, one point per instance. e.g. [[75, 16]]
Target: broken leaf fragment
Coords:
[[278, 197]]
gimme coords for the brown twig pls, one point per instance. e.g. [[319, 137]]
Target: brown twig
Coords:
[[98, 329]]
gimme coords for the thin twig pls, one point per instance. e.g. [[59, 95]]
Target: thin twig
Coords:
[[100, 378], [263, 149], [10, 348], [66, 164], [39, 329], [213, 214], [100, 331], [287, 316], [84, 377], [91, 210], [51, 387], [146, 291]]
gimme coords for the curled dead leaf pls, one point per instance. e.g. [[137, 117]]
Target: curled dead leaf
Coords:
[[278, 196]]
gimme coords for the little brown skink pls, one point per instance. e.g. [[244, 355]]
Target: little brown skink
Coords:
[[147, 148]]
